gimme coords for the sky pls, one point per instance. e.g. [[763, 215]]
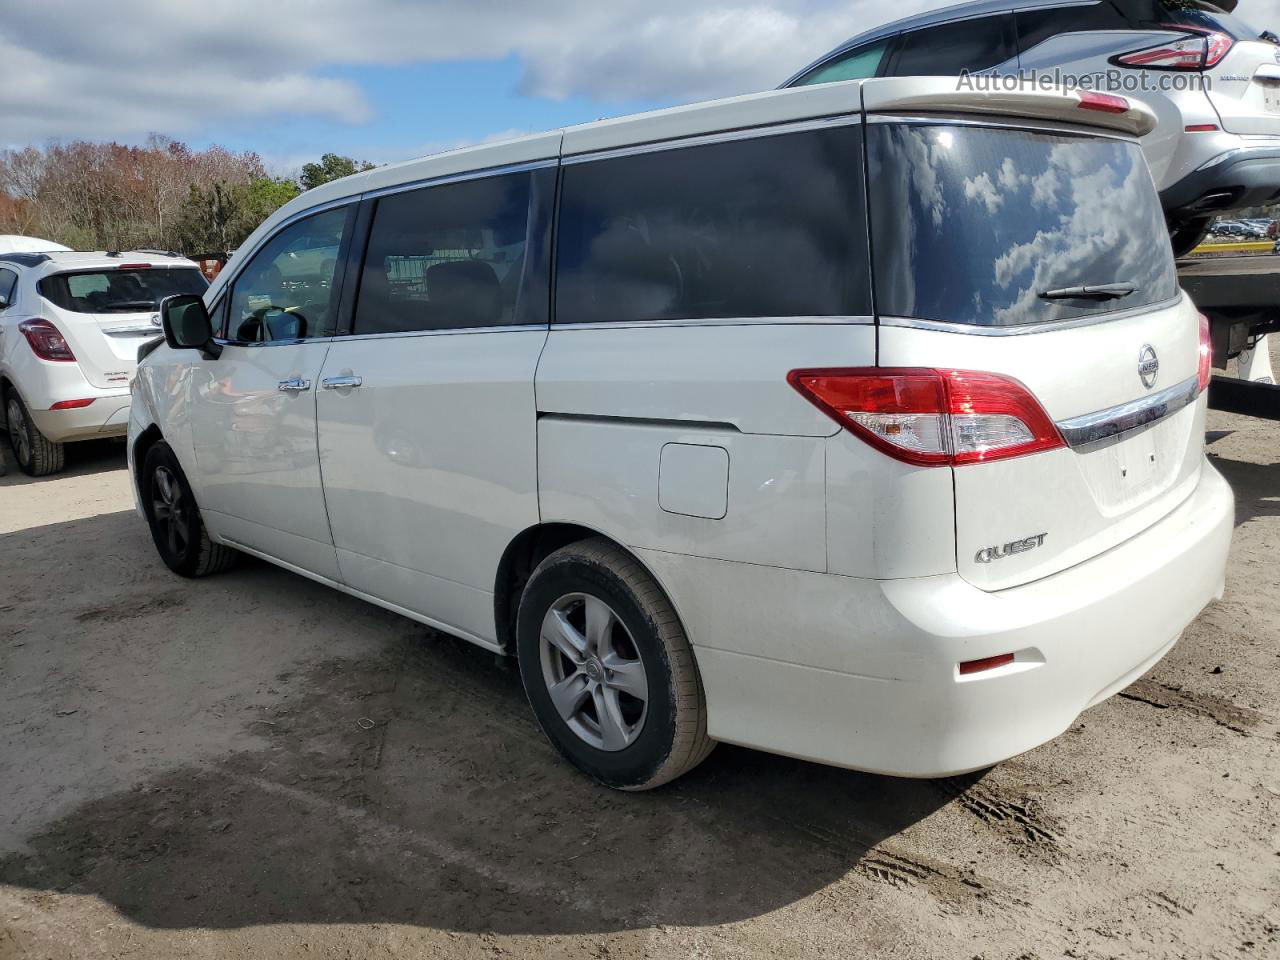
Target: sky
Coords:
[[386, 80]]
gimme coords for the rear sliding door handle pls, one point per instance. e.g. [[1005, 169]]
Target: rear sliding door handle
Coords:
[[340, 383], [294, 385]]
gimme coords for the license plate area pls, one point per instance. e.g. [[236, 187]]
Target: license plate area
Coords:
[[1270, 93]]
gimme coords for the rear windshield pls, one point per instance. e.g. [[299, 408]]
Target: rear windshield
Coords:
[[120, 291], [990, 226]]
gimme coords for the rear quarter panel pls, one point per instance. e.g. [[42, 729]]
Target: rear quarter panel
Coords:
[[610, 398]]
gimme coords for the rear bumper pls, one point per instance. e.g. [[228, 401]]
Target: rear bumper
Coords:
[[107, 416], [1245, 177], [864, 674]]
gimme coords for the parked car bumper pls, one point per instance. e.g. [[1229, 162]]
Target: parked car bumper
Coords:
[[1246, 176], [864, 674], [106, 416]]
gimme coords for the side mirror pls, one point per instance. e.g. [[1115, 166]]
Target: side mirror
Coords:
[[187, 325]]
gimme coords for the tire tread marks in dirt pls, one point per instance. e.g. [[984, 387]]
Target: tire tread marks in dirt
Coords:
[[1173, 696]]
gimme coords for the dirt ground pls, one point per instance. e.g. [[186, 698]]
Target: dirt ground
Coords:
[[254, 765]]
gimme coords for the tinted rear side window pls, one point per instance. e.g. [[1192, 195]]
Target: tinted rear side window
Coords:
[[950, 48], [1037, 26], [8, 283], [973, 224], [772, 226], [446, 257], [120, 291]]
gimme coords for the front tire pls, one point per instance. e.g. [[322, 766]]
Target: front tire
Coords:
[[174, 517], [608, 669], [37, 455]]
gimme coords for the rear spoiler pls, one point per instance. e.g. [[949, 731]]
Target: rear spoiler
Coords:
[[1007, 97]]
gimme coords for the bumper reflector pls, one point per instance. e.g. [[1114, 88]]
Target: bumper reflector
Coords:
[[986, 663]]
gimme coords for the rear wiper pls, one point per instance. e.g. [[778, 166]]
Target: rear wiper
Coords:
[[1100, 291]]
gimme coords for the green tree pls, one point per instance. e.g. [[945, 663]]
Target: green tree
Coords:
[[332, 166], [222, 215]]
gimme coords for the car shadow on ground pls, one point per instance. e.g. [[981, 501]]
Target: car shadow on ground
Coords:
[[412, 786], [1256, 487], [83, 459]]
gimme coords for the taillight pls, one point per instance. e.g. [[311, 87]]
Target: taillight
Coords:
[[1193, 53], [1219, 45], [932, 417], [1206, 353], [72, 404], [46, 342]]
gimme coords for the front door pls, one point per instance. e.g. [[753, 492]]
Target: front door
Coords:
[[253, 416], [426, 413]]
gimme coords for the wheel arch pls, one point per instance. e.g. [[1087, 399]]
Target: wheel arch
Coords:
[[522, 556], [146, 440]]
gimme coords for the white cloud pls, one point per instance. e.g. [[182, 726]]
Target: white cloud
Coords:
[[981, 188], [74, 68]]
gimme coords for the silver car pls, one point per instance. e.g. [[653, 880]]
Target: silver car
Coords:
[[1212, 78]]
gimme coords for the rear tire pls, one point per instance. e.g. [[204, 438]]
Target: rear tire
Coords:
[[1186, 235], [174, 517], [37, 455], [598, 639]]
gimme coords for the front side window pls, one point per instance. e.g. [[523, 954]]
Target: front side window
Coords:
[[948, 49], [287, 291], [859, 63], [131, 290], [1001, 227], [447, 257], [770, 226]]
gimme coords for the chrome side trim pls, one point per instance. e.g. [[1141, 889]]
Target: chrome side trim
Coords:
[[1126, 418], [393, 335], [717, 322], [478, 174], [466, 331], [1007, 122], [1025, 329], [724, 136]]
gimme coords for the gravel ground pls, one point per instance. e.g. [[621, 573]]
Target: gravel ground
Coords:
[[254, 765]]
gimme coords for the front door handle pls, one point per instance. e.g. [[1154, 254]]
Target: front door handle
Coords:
[[294, 385], [340, 383]]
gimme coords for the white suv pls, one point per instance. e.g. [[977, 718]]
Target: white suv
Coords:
[[70, 328], [1212, 78], [719, 443]]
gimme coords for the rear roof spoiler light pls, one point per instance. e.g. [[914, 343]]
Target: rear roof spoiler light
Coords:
[[1103, 102], [1005, 96]]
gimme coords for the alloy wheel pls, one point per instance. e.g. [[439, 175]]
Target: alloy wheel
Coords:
[[593, 672], [168, 507]]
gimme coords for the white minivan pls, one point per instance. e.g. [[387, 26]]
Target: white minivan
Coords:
[[860, 422]]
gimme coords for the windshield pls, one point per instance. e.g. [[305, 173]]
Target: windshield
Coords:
[[1000, 227], [120, 291]]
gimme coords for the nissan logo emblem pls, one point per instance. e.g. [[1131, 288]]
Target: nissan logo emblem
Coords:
[[1148, 366]]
